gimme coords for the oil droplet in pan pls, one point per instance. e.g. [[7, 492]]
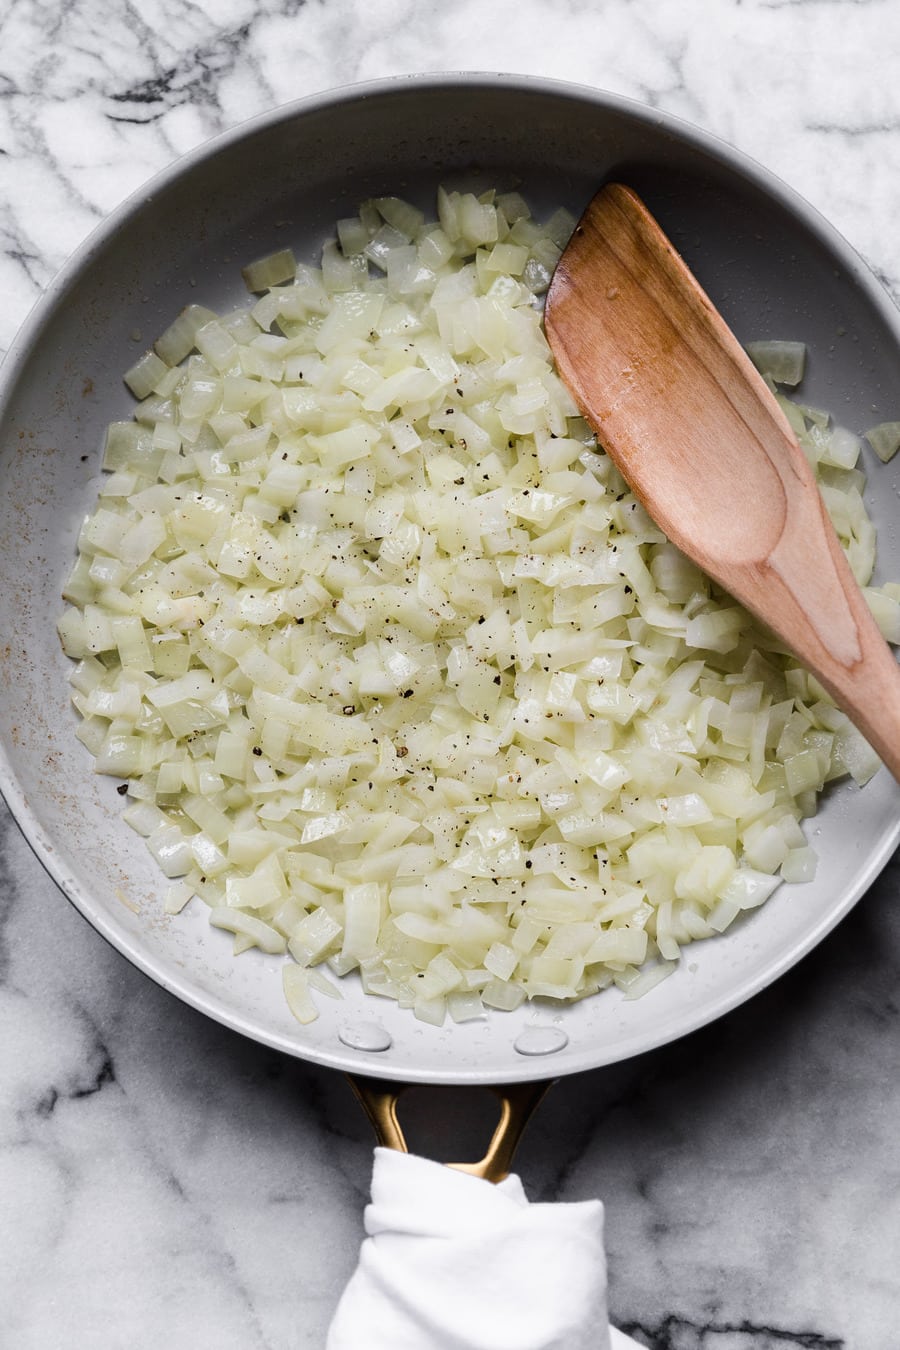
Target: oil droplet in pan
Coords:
[[369, 1036], [540, 1041]]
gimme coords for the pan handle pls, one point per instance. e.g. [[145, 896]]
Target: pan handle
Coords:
[[379, 1097]]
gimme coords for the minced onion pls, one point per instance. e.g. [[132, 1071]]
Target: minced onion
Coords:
[[399, 675]]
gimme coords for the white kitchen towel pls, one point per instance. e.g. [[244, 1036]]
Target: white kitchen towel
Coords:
[[452, 1262]]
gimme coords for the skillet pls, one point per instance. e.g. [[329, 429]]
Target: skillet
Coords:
[[772, 266]]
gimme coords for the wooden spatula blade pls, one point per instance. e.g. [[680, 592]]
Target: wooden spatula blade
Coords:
[[678, 405]]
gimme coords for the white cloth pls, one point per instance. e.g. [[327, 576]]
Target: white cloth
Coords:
[[455, 1263]]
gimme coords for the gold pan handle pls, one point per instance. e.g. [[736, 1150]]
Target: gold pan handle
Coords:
[[379, 1097]]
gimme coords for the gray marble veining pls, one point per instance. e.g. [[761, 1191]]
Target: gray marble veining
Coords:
[[163, 1182]]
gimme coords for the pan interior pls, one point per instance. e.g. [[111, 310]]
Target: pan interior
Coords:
[[771, 266]]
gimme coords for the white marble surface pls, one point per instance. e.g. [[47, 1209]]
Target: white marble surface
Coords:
[[164, 1183]]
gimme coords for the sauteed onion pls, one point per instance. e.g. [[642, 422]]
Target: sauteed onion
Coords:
[[397, 674]]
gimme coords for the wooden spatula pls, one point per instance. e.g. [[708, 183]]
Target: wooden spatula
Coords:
[[678, 405]]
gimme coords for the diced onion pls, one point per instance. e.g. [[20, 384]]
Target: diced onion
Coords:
[[270, 271], [783, 362], [400, 676], [885, 440]]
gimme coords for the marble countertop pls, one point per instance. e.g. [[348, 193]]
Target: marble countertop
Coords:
[[164, 1182]]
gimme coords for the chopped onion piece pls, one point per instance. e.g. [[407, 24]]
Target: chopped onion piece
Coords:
[[144, 376], [884, 440], [270, 271], [237, 921], [783, 362], [296, 982]]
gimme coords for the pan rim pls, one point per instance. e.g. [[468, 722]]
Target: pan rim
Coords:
[[28, 337]]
